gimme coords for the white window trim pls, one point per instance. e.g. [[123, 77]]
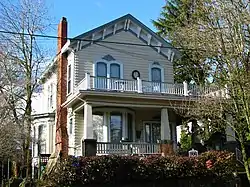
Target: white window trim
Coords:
[[71, 79], [71, 119], [108, 63], [155, 66], [143, 136], [124, 111]]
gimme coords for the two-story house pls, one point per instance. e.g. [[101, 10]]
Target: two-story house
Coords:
[[115, 85]]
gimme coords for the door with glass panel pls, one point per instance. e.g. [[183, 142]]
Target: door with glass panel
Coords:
[[156, 79], [152, 131], [115, 76], [101, 76], [115, 127]]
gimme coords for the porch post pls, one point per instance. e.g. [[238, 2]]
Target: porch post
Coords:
[[165, 128], [166, 142], [88, 142], [87, 122]]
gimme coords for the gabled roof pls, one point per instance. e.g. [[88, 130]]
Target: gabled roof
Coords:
[[127, 23]]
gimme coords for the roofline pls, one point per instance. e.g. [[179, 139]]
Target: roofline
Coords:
[[127, 16]]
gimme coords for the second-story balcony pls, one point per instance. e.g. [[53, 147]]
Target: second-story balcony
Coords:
[[144, 87]]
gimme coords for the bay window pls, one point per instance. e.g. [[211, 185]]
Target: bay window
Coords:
[[113, 125]]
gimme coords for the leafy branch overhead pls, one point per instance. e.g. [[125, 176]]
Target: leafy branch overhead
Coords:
[[217, 32]]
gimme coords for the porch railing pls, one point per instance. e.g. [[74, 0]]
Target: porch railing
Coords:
[[106, 148], [141, 86]]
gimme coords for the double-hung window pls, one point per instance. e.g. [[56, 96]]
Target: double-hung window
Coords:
[[50, 96], [69, 79]]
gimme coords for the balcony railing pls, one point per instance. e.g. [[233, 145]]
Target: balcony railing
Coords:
[[141, 86], [107, 148]]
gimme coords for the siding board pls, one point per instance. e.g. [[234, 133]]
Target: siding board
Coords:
[[133, 57]]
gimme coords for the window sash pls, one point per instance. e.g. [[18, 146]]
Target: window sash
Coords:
[[69, 79], [156, 75], [115, 71]]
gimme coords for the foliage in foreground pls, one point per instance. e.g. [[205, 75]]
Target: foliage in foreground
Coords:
[[83, 171]]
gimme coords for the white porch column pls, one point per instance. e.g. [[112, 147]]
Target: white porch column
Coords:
[[174, 135], [165, 128], [124, 126], [50, 137], [87, 122], [105, 127]]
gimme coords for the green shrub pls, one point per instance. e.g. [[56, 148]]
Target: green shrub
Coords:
[[115, 170]]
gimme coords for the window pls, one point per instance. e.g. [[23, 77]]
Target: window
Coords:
[[41, 139], [152, 132], [50, 96], [108, 69], [98, 125], [115, 127], [115, 71], [104, 70], [156, 77], [101, 69], [70, 126], [156, 74], [69, 79]]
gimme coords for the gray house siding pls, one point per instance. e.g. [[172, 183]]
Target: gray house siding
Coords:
[[132, 57]]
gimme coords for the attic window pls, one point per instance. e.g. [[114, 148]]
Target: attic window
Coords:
[[108, 58]]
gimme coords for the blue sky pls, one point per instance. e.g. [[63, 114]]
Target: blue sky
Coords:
[[84, 15]]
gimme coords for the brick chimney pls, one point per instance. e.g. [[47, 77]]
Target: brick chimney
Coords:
[[61, 113]]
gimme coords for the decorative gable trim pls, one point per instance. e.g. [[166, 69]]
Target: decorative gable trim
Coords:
[[108, 58], [126, 23]]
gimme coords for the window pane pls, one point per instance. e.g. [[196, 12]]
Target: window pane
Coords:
[[147, 132], [156, 74], [115, 71], [70, 126], [156, 132], [98, 123], [69, 72], [101, 69], [41, 139], [116, 127]]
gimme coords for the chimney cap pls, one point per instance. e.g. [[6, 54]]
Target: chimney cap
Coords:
[[64, 19]]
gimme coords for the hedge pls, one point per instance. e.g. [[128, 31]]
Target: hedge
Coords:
[[117, 170]]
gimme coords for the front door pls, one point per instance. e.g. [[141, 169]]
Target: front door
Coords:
[[152, 131]]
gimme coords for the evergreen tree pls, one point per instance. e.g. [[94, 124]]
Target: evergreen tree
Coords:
[[190, 66]]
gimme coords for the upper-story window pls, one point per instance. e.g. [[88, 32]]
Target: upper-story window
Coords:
[[156, 72], [69, 79], [115, 71], [108, 67], [101, 70]]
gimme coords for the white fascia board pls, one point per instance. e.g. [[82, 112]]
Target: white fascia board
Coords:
[[65, 48]]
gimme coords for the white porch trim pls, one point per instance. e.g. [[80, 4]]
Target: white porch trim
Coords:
[[87, 122], [165, 127]]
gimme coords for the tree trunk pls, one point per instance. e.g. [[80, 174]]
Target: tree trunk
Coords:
[[245, 161]]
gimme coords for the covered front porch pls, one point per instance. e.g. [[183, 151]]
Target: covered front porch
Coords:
[[134, 130]]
